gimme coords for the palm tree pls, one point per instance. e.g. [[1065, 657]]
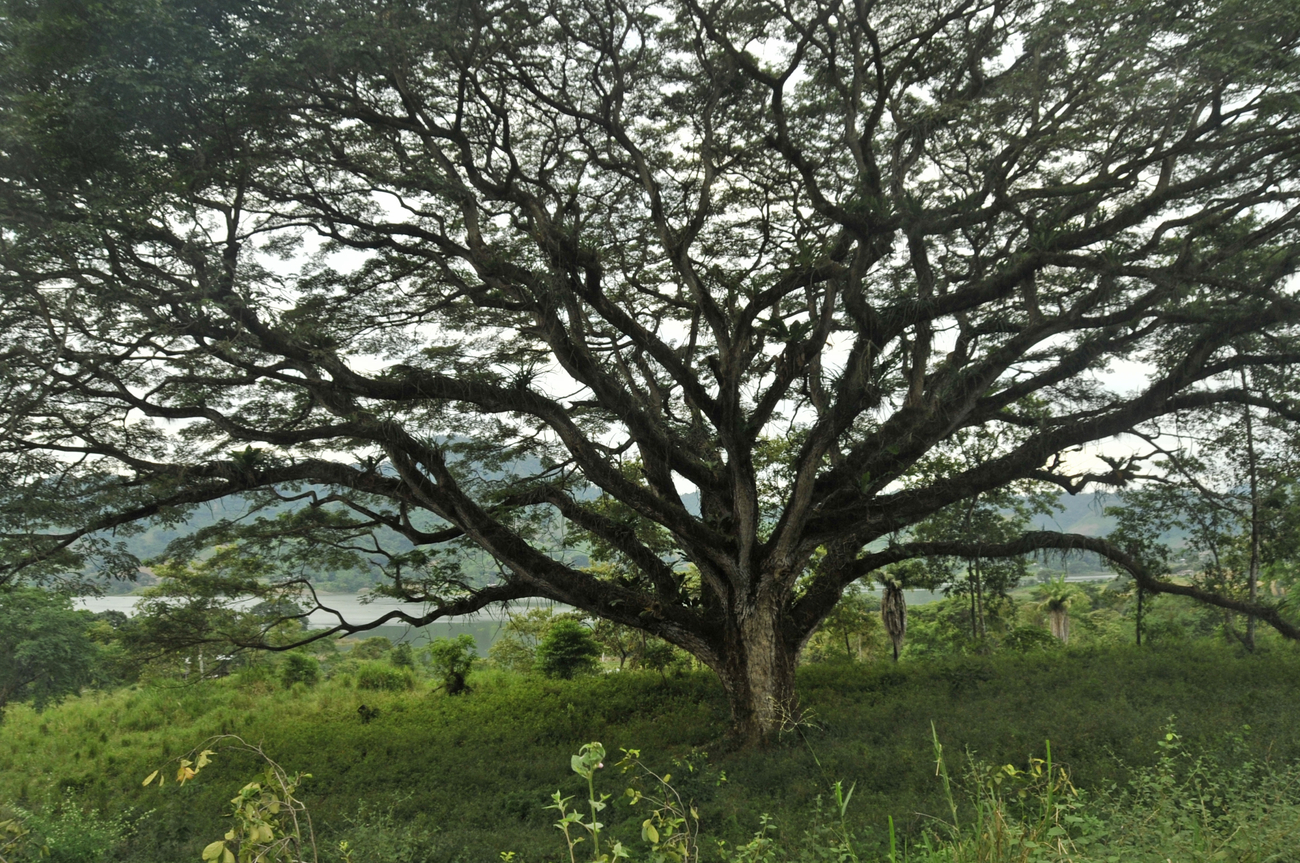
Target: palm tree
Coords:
[[1055, 598], [893, 611]]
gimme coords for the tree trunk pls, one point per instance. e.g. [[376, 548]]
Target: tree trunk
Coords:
[[893, 611], [974, 616], [757, 674], [1252, 577], [1060, 621], [1138, 626]]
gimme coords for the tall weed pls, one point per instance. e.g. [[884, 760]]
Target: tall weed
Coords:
[[1225, 808]]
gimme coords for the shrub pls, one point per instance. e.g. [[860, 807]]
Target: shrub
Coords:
[[257, 677], [451, 660], [516, 649], [511, 653], [70, 834], [377, 835], [402, 656], [662, 657], [299, 668], [568, 649], [375, 647], [383, 677], [1023, 639]]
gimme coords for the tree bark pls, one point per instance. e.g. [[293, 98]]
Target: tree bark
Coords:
[[1137, 628], [757, 674], [893, 611], [1252, 577], [1060, 620]]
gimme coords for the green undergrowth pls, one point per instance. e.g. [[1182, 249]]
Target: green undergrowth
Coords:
[[421, 776]]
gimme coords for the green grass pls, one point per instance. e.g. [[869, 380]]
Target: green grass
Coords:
[[466, 778]]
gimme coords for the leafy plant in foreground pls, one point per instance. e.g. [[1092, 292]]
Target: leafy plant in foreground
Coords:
[[671, 830], [270, 825], [66, 833], [589, 759]]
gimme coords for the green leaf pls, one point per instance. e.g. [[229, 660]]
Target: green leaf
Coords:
[[649, 833], [213, 850]]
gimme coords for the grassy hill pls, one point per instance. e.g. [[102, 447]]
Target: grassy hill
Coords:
[[1081, 513], [463, 779]]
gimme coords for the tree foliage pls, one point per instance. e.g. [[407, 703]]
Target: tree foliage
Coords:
[[202, 609], [451, 660], [691, 283], [45, 652], [1226, 483], [567, 650], [300, 668]]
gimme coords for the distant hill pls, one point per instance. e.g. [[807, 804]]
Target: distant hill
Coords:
[[153, 541], [1082, 513]]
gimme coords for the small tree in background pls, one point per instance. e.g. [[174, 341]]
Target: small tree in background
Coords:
[[567, 650], [619, 642], [893, 613], [516, 649], [300, 668], [376, 647], [1055, 600], [402, 656], [44, 650], [451, 660], [658, 655], [849, 633]]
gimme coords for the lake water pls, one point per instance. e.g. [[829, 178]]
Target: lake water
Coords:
[[485, 625]]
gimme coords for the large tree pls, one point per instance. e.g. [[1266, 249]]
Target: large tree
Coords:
[[459, 270]]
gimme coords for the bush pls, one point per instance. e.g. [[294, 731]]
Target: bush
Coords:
[[375, 647], [402, 656], [516, 649], [384, 678], [662, 657], [299, 668], [512, 654], [69, 834], [257, 676], [376, 835], [451, 660], [1023, 639], [567, 650]]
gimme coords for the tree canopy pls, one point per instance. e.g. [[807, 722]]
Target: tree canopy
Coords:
[[45, 653], [709, 283]]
